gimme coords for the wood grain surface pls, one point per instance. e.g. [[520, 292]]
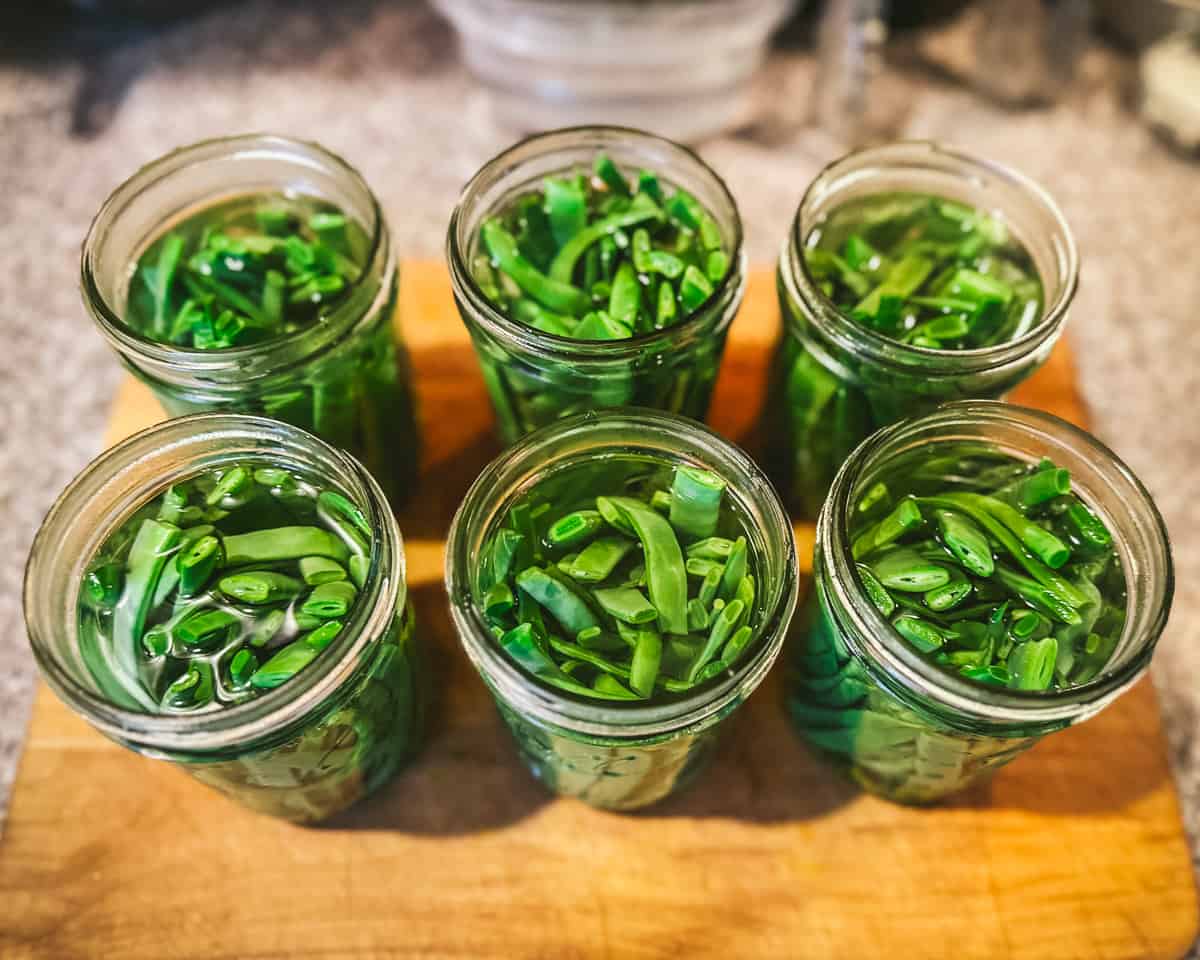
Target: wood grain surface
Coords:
[[1074, 851]]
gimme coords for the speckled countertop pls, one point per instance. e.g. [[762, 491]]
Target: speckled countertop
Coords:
[[381, 84]]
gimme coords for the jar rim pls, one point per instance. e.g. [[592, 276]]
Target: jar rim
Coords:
[[121, 472], [853, 336], [915, 673], [524, 465], [343, 315], [729, 290]]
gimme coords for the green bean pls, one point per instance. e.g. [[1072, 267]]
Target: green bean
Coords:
[[734, 571], [905, 569], [283, 543], [574, 529], [719, 634], [260, 586], [283, 665], [599, 559], [330, 600], [197, 563], [148, 554], [666, 578], [696, 501], [904, 518], [712, 548], [640, 210], [625, 603], [319, 570], [966, 541], [191, 690], [647, 656], [559, 600], [551, 291], [922, 634], [1031, 664]]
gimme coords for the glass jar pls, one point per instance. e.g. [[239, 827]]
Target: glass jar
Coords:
[[618, 754], [901, 726], [682, 66], [535, 378], [345, 378], [303, 751], [834, 381]]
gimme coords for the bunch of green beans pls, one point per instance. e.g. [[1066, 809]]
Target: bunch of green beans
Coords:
[[594, 256], [223, 587], [252, 271], [622, 582], [924, 271], [992, 569]]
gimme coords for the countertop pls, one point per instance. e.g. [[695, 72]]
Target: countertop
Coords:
[[381, 84]]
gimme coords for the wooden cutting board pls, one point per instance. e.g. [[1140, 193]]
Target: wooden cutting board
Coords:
[[1075, 851]]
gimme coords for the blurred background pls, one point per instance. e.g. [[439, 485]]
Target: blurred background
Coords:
[[1099, 101]]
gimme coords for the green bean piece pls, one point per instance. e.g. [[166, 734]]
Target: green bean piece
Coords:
[[1087, 528], [599, 559], [241, 669], [550, 291], [191, 690], [625, 603], [696, 501], [875, 590], [904, 518], [206, 629], [330, 601], [712, 548], [905, 569], [1031, 664], [324, 635], [574, 529], [559, 600], [735, 569], [197, 563], [283, 665], [966, 541], [283, 543], [231, 483], [647, 657], [719, 634], [148, 554], [697, 615], [1037, 539], [319, 570], [710, 585], [666, 578], [948, 596], [566, 207], [104, 583], [922, 634], [260, 586], [702, 567], [736, 646]]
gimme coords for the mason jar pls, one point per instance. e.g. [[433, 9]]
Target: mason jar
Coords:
[[344, 378], [833, 380], [903, 727], [619, 754], [311, 747], [535, 378]]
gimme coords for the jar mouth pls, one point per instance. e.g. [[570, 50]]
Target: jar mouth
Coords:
[[592, 436], [1020, 431], [932, 158], [121, 480], [594, 137], [280, 351]]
